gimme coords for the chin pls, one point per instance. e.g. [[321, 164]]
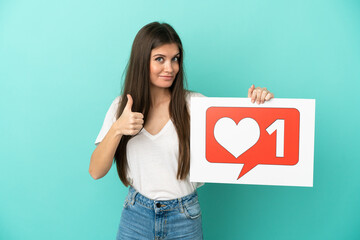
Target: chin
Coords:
[[163, 84]]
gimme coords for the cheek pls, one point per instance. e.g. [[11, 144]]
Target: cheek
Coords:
[[176, 68], [154, 69], [154, 72]]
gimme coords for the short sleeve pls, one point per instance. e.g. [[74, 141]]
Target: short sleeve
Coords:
[[110, 118]]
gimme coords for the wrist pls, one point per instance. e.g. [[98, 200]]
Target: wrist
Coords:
[[117, 133]]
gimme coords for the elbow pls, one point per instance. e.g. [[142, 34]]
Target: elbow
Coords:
[[93, 173], [94, 176]]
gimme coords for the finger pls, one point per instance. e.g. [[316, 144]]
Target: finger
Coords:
[[258, 96], [135, 132], [251, 89], [269, 96], [138, 115], [253, 96], [263, 95], [131, 132], [138, 121], [129, 102], [137, 127]]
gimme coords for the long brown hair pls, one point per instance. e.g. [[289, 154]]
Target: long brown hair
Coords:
[[137, 84]]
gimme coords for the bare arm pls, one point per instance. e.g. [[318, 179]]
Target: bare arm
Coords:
[[103, 155]]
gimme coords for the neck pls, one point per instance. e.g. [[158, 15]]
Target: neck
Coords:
[[159, 95]]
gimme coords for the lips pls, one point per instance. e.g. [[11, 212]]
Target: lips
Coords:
[[167, 77]]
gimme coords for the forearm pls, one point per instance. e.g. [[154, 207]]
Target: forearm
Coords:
[[102, 157]]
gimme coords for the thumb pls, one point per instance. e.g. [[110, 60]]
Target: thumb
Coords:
[[129, 102]]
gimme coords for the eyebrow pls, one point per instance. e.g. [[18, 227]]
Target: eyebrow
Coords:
[[161, 55]]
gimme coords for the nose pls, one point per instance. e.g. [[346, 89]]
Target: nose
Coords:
[[168, 67]]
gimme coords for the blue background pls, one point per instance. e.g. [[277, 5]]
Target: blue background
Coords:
[[62, 64]]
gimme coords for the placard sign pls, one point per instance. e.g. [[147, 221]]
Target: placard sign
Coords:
[[236, 141]]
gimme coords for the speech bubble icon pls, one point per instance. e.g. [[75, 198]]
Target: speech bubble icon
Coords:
[[252, 136]]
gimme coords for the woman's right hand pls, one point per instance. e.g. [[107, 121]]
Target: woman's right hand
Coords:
[[129, 123]]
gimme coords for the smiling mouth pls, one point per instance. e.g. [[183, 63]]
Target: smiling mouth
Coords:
[[167, 77]]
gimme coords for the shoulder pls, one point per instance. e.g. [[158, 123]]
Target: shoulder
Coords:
[[111, 113], [189, 94], [116, 102]]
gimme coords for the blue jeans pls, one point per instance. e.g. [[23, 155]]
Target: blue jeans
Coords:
[[143, 218]]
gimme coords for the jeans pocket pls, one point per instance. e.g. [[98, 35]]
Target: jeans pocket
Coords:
[[192, 210]]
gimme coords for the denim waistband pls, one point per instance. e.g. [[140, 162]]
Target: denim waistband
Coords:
[[134, 196]]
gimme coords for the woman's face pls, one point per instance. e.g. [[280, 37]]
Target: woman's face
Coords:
[[164, 65]]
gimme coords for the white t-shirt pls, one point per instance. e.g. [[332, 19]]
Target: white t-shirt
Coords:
[[153, 159]]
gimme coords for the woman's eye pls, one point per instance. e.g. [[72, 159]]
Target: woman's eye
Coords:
[[159, 59], [176, 59]]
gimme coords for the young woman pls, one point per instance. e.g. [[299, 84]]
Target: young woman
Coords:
[[147, 131]]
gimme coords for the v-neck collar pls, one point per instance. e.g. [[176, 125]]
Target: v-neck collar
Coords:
[[159, 133]]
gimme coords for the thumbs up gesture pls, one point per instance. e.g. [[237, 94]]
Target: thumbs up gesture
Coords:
[[129, 123]]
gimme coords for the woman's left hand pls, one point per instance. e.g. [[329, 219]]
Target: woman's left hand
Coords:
[[258, 94]]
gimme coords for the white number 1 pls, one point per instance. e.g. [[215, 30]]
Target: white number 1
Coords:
[[278, 125]]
